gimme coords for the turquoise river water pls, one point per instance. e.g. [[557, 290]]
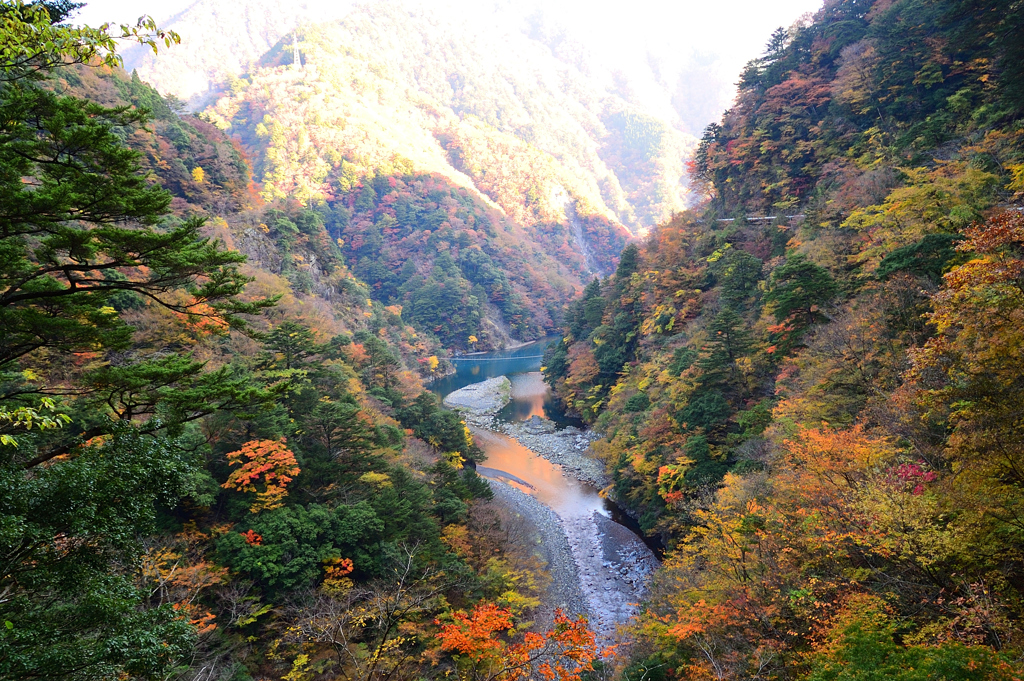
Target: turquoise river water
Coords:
[[512, 462]]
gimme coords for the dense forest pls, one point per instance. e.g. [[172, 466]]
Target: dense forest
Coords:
[[439, 207], [486, 106], [219, 460], [810, 387]]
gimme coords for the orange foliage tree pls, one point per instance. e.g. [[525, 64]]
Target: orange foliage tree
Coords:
[[175, 571], [564, 653], [767, 567], [267, 466]]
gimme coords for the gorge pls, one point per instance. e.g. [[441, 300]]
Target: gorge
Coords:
[[603, 569], [492, 341]]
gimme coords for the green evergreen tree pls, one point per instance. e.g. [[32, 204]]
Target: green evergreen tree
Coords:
[[728, 340], [71, 533], [290, 346], [629, 264], [584, 315], [739, 275], [82, 230], [798, 289], [928, 257], [382, 366], [707, 410], [338, 428]]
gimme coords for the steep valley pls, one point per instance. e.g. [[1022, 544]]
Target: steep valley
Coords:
[[422, 341]]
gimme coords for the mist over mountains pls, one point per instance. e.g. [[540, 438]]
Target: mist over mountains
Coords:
[[677, 62], [468, 92]]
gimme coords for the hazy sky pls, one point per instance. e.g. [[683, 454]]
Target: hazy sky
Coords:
[[735, 30], [692, 50]]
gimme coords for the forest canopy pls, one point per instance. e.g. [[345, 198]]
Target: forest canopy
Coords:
[[807, 385]]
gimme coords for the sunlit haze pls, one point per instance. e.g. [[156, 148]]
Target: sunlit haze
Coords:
[[709, 41]]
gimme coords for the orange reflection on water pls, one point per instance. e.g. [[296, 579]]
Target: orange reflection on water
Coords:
[[567, 496]]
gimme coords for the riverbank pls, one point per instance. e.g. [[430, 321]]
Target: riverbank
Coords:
[[515, 345], [568, 447], [614, 568], [598, 567], [437, 376], [551, 545], [480, 402]]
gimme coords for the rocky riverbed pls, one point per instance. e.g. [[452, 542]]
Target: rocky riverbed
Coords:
[[598, 567], [552, 546], [569, 447], [614, 568]]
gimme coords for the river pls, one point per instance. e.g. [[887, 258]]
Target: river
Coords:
[[507, 459], [612, 559]]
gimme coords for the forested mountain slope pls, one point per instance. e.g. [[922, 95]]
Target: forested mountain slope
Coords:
[[217, 457], [421, 133], [219, 40], [811, 387], [488, 90], [676, 78]]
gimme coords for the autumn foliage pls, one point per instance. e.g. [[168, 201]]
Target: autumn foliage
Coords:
[[266, 468], [176, 572], [485, 653], [810, 388]]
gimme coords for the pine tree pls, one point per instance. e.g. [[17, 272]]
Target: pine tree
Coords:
[[290, 346], [728, 340], [82, 230], [629, 263], [799, 288]]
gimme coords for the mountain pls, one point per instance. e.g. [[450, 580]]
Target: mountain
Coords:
[[476, 142], [290, 253], [623, 160], [676, 61], [810, 386], [220, 40]]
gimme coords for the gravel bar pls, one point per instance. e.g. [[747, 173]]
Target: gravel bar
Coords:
[[568, 447], [481, 399], [552, 546]]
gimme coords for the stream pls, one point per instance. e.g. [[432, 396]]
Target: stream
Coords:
[[609, 557], [510, 461]]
